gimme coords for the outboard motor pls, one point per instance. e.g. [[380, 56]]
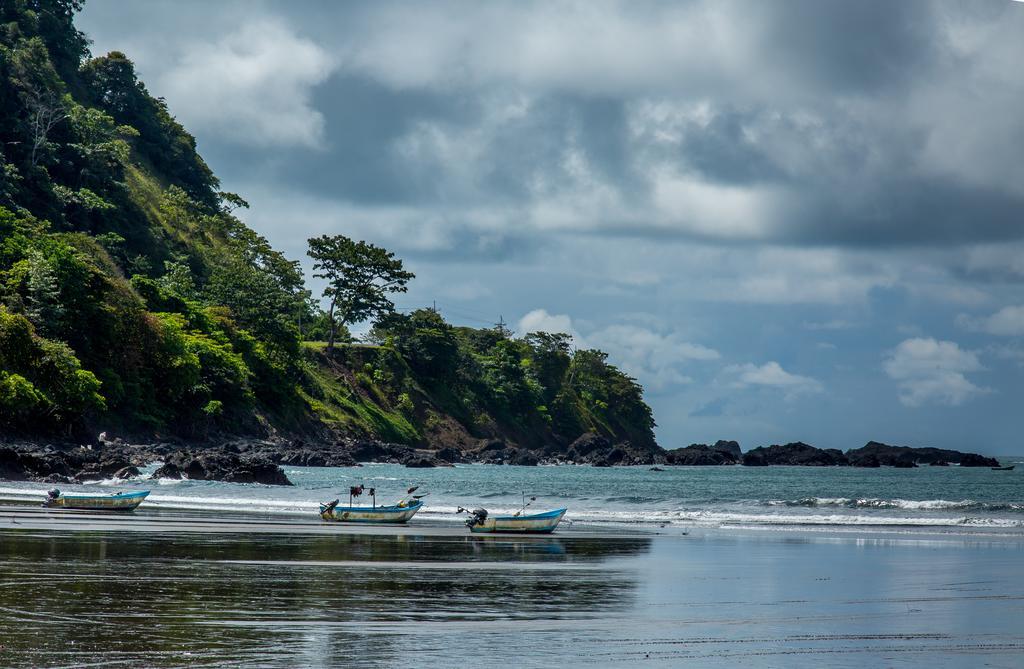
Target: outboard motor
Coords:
[[476, 517], [51, 497]]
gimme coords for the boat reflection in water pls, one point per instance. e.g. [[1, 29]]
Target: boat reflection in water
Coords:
[[300, 600]]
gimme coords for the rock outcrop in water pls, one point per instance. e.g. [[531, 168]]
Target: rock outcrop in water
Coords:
[[900, 456], [796, 453], [259, 461], [722, 453], [222, 465]]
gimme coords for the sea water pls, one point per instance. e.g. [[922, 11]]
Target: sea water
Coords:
[[950, 499]]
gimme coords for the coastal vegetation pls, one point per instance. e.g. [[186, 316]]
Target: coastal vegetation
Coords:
[[134, 299]]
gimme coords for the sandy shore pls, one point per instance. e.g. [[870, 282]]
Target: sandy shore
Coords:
[[181, 589]]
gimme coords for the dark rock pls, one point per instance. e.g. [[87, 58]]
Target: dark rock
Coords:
[[55, 478], [975, 460], [797, 453], [524, 459], [229, 467], [420, 462], [492, 445], [12, 466], [890, 455], [700, 455], [168, 470], [588, 442], [128, 472], [939, 463], [449, 454], [656, 469], [615, 456], [314, 458], [730, 447]]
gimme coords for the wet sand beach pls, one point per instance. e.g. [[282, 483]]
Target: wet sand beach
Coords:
[[80, 590]]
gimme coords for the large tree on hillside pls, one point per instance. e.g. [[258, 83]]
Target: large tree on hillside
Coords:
[[359, 276]]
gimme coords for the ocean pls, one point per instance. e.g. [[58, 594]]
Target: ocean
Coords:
[[949, 499]]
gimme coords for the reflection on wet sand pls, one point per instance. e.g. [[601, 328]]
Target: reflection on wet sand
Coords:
[[283, 600]]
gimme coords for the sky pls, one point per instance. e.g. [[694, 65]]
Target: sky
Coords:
[[790, 220]]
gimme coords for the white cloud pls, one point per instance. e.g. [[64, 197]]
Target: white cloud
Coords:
[[252, 86], [654, 359], [929, 371], [1007, 322], [772, 375], [539, 320]]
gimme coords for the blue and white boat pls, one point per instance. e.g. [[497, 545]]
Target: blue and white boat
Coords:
[[535, 523], [122, 501], [398, 513]]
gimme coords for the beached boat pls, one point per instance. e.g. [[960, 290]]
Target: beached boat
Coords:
[[121, 501], [535, 523], [397, 513]]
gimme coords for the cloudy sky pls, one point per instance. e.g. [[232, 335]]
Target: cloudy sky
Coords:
[[789, 220]]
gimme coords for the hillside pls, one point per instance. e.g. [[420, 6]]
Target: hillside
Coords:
[[134, 301]]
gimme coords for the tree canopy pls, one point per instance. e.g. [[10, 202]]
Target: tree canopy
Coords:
[[360, 277]]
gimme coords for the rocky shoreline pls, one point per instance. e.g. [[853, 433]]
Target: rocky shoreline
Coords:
[[259, 461]]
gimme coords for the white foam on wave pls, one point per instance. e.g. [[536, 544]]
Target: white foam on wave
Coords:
[[897, 504], [896, 515]]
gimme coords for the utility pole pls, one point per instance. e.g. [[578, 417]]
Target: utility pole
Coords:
[[500, 327]]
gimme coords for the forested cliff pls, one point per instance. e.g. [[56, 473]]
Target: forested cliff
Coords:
[[134, 300]]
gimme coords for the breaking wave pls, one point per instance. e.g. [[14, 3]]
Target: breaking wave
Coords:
[[903, 504]]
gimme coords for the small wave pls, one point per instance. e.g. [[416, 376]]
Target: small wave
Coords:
[[904, 504]]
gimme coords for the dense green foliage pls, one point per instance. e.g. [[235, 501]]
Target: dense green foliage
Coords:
[[132, 298], [534, 389]]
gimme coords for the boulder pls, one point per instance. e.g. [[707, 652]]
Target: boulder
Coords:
[[228, 467], [730, 447], [451, 455], [131, 471], [12, 466], [524, 459], [588, 442], [168, 470]]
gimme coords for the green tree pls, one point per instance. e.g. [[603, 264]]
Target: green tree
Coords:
[[359, 275], [43, 306]]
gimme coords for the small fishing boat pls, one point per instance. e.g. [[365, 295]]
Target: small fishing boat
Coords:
[[121, 501], [401, 512], [535, 523], [369, 514], [1008, 468]]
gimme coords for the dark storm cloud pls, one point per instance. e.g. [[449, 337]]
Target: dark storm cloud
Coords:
[[846, 47], [798, 122]]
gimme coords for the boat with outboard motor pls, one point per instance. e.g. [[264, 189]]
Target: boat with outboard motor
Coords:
[[400, 512], [481, 522], [121, 501]]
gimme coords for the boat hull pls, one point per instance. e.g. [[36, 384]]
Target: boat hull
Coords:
[[538, 523], [126, 501], [367, 514]]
